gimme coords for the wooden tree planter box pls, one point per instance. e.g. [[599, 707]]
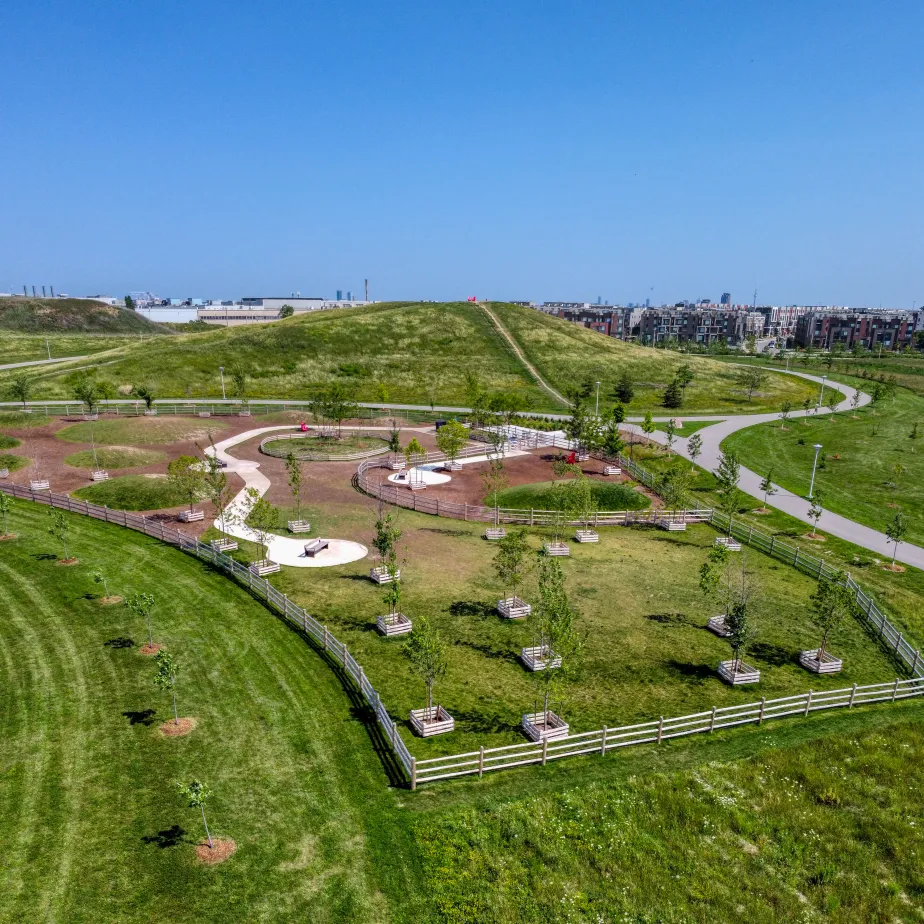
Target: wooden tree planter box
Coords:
[[244, 414], [432, 721], [39, 485], [205, 413], [380, 575], [396, 465], [91, 416], [731, 544], [99, 476], [393, 624], [223, 545], [674, 526], [717, 625], [151, 412], [744, 674], [544, 726], [828, 664], [587, 535], [417, 485], [299, 526], [190, 516], [583, 456], [538, 659], [495, 532], [513, 608], [452, 466], [264, 567], [612, 470], [556, 548], [4, 473]]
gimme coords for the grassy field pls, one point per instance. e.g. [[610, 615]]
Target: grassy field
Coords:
[[16, 420], [568, 355], [20, 348], [8, 442], [647, 652], [413, 351], [12, 462], [812, 819], [350, 442], [605, 496], [141, 431], [54, 316], [858, 461], [114, 457], [133, 492]]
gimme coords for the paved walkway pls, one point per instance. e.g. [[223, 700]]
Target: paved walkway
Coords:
[[794, 504], [39, 362]]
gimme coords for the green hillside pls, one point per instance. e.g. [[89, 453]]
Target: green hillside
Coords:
[[70, 315], [421, 353]]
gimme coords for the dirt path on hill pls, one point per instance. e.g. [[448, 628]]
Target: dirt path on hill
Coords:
[[522, 358]]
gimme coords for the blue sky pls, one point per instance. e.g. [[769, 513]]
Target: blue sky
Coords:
[[659, 150]]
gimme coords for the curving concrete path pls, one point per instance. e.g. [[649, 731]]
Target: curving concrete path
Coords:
[[793, 504]]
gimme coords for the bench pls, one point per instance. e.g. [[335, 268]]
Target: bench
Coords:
[[316, 545]]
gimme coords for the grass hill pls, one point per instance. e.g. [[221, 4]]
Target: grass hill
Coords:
[[422, 353], [59, 315]]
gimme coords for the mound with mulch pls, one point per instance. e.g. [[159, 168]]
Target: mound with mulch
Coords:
[[174, 729], [150, 650], [221, 849]]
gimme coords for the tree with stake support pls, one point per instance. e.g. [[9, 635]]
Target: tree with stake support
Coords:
[[832, 603], [816, 509], [896, 532], [296, 472], [142, 605], [728, 474], [511, 565], [60, 528], [428, 654]]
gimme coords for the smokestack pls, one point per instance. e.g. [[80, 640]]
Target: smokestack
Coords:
[[52, 291], [33, 291], [25, 292], [43, 291], [367, 290]]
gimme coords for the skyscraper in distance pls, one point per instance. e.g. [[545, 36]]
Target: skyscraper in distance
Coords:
[[726, 298]]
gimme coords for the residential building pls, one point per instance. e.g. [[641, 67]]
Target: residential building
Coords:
[[888, 330], [703, 326]]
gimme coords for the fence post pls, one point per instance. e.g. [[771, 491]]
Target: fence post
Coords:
[[481, 762], [795, 559], [545, 751], [914, 666], [531, 513], [660, 728], [772, 540], [603, 743], [853, 693], [325, 638], [346, 655], [465, 512], [712, 720], [413, 773], [808, 702], [763, 703], [895, 690], [394, 732], [898, 641]]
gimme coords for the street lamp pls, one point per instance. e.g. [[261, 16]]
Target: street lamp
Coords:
[[817, 448], [597, 408], [824, 378], [221, 372]]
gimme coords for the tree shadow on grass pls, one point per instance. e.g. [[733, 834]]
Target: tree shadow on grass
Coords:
[[142, 717], [697, 673], [169, 837], [355, 577], [45, 556], [472, 608], [671, 619], [489, 651], [484, 722], [446, 532], [121, 642], [774, 655]]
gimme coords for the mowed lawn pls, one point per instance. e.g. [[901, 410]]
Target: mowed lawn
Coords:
[[860, 456], [92, 827], [646, 653]]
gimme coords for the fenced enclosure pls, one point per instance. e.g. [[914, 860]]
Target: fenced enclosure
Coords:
[[311, 455], [599, 741]]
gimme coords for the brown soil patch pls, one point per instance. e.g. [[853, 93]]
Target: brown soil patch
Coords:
[[897, 569], [894, 506], [220, 850], [150, 650], [762, 511], [7, 537], [174, 729], [67, 561], [814, 537], [109, 601]]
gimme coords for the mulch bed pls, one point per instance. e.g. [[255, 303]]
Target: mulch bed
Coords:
[[173, 729], [814, 537], [67, 561], [109, 601], [220, 850], [149, 650], [896, 569], [7, 537]]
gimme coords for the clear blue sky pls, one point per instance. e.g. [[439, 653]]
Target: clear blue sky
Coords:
[[507, 150]]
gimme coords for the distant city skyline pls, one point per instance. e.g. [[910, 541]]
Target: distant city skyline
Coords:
[[652, 152]]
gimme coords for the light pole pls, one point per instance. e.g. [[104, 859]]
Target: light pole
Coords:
[[817, 448], [221, 372], [597, 408], [822, 394]]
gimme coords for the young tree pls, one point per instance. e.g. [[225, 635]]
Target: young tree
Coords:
[[387, 534], [674, 486], [142, 605], [740, 631], [165, 678], [576, 427], [673, 395], [855, 401], [834, 399], [286, 311], [670, 430], [896, 532], [624, 390], [612, 441], [474, 390], [129, 303], [6, 505], [494, 481], [394, 441], [197, 794], [511, 562], [100, 578], [694, 449], [239, 382], [684, 378], [414, 453], [816, 509], [339, 405], [215, 486], [648, 425], [750, 345], [555, 628], [712, 572], [728, 474], [451, 438], [767, 487], [914, 435], [146, 394], [618, 413], [59, 528], [88, 393], [391, 593], [21, 388], [428, 654], [784, 413], [898, 473], [750, 379], [295, 471], [806, 405], [262, 518], [186, 476], [832, 602]]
